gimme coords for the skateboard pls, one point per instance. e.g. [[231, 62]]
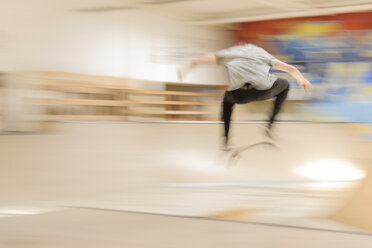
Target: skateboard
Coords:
[[235, 154]]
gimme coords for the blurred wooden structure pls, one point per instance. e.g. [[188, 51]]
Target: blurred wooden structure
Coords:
[[77, 97]]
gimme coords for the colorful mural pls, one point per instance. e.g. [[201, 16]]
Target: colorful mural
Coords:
[[335, 54]]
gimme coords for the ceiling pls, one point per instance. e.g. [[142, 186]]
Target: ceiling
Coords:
[[210, 12]]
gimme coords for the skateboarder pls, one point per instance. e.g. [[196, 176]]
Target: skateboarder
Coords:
[[250, 80]]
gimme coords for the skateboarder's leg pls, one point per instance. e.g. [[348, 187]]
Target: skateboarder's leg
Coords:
[[228, 105], [283, 88]]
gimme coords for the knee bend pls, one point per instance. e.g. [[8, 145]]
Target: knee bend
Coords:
[[285, 87], [228, 100], [285, 84]]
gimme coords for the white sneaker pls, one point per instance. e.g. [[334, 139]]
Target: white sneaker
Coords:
[[268, 129], [226, 146]]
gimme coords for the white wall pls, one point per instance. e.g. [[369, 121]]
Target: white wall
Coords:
[[40, 35]]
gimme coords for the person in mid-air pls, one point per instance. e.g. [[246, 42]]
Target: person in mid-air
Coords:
[[250, 80]]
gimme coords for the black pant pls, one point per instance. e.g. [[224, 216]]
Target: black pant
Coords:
[[279, 90]]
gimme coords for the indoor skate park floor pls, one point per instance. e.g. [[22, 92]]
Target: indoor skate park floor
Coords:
[[170, 185]]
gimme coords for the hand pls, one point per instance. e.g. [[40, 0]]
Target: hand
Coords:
[[179, 75], [181, 72], [305, 84]]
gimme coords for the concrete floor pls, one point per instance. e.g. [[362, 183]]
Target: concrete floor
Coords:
[[174, 169], [97, 228]]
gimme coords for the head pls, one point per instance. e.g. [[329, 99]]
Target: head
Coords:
[[241, 43]]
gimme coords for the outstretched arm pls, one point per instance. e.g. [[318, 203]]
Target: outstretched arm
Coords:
[[295, 73], [208, 58]]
